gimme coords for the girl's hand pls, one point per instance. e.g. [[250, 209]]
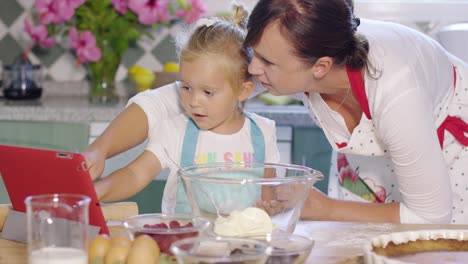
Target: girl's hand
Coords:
[[95, 162]]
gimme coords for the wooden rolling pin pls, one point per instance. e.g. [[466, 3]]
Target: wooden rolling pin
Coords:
[[119, 211], [4, 208]]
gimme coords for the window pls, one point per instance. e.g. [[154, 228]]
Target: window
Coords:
[[425, 15], [413, 10]]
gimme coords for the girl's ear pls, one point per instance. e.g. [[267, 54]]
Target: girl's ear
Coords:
[[322, 67], [245, 90]]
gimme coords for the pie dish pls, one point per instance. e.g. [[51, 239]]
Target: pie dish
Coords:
[[424, 246]]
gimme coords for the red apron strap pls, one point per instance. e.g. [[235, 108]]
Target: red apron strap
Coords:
[[454, 77], [455, 125], [359, 91]]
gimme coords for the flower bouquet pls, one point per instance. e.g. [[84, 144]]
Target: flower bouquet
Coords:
[[100, 31]]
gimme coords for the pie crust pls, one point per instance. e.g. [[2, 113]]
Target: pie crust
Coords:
[[425, 246]]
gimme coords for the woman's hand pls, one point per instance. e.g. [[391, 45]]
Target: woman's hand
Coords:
[[95, 162], [272, 207], [277, 199], [317, 206]]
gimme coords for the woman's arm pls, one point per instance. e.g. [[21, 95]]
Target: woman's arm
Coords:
[[318, 206], [129, 180], [407, 127]]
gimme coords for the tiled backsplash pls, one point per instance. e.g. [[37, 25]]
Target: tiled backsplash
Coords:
[[59, 63]]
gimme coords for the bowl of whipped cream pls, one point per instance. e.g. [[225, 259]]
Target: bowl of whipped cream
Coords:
[[248, 200]]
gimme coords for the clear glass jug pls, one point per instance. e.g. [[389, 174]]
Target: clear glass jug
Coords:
[[57, 228]]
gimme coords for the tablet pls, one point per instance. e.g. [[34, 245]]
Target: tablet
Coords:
[[31, 171]]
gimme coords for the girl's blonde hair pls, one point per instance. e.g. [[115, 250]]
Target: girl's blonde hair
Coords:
[[220, 37]]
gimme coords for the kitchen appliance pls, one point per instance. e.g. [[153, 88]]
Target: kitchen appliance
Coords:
[[22, 79]]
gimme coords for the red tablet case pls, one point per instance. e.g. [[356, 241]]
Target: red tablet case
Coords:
[[31, 171]]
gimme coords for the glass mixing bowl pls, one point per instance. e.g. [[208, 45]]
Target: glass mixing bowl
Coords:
[[165, 229], [220, 190]]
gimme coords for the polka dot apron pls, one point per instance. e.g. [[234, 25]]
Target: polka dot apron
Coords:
[[358, 156]]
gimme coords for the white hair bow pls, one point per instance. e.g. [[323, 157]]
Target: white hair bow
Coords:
[[205, 21]]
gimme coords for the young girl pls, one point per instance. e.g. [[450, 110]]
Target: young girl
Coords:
[[215, 82]]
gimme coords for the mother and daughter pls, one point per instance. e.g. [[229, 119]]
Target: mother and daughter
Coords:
[[391, 101]]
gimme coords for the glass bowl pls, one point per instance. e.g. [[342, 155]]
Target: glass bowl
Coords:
[[290, 248], [220, 250], [248, 199], [166, 229]]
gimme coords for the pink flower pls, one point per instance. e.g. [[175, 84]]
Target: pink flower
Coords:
[[66, 8], [120, 6], [192, 14], [56, 11], [347, 172], [84, 45], [379, 191], [344, 170], [47, 11], [150, 11], [39, 34], [341, 161]]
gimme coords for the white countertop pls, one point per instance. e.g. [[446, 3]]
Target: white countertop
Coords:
[[68, 102]]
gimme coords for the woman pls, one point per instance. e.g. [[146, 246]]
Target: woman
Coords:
[[392, 103]]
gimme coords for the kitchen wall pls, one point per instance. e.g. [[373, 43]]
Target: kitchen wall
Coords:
[[60, 64], [427, 16]]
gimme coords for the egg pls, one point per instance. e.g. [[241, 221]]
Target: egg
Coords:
[[117, 254], [118, 251], [98, 248], [144, 250], [121, 240]]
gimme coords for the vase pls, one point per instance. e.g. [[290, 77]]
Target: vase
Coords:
[[101, 75]]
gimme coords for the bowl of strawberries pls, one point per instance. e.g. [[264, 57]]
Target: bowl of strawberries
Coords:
[[166, 229]]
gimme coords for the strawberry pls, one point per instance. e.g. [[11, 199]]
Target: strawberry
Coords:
[[174, 224]]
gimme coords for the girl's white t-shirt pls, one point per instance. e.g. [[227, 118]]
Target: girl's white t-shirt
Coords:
[[211, 147]]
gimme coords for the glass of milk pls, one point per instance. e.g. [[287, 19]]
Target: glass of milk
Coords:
[[57, 228]]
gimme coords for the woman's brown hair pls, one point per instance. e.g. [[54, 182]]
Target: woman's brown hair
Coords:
[[315, 28]]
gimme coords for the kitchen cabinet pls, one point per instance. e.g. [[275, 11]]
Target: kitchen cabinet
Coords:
[[49, 135], [149, 199], [311, 149], [284, 141]]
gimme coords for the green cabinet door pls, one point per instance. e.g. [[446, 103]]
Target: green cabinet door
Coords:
[[312, 149], [150, 198], [49, 135]]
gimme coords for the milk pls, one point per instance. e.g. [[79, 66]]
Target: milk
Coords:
[[58, 255]]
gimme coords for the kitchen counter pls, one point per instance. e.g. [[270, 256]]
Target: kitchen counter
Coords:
[[335, 242], [68, 102]]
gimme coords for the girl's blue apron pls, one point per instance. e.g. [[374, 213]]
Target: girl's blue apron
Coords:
[[188, 156]]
